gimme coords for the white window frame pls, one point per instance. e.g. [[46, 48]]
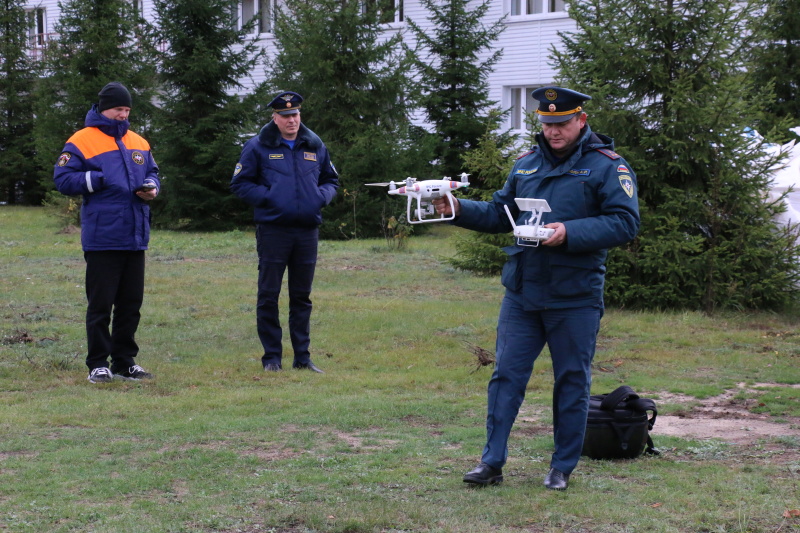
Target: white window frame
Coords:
[[138, 7], [398, 14], [247, 9], [37, 27], [517, 9], [520, 103]]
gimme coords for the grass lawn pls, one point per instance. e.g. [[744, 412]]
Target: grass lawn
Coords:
[[378, 443]]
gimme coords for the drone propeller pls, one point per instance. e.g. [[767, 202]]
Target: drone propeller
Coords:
[[379, 184]]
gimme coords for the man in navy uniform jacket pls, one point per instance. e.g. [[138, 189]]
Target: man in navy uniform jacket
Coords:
[[286, 174], [554, 292]]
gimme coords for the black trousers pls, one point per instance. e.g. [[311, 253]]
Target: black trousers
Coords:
[[281, 248], [114, 283]]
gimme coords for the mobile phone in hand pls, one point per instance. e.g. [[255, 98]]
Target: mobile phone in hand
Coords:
[[144, 188]]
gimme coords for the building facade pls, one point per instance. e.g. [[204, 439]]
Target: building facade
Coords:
[[532, 28]]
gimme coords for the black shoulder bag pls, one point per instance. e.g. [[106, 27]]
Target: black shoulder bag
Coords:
[[618, 426]]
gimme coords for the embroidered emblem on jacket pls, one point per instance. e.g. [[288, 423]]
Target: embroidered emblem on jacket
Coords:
[[309, 156], [64, 158], [622, 168], [525, 171], [276, 156], [237, 169], [580, 171], [626, 182], [138, 158]]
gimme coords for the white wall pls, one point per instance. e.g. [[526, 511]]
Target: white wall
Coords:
[[526, 43]]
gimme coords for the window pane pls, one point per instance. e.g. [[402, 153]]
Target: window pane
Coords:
[[265, 15], [516, 109], [531, 103], [248, 10], [557, 5], [387, 11], [515, 7]]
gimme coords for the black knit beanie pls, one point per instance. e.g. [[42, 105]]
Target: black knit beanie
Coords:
[[113, 95]]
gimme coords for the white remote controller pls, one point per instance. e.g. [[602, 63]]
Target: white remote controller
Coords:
[[531, 232]]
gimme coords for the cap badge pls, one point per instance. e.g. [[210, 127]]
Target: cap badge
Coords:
[[552, 107], [550, 94]]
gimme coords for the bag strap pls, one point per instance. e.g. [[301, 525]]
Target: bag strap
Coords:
[[651, 449], [644, 405], [613, 399]]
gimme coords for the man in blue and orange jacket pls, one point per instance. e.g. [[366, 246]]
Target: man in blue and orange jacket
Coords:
[[114, 171]]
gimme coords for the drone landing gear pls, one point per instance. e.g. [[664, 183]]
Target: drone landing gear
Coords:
[[425, 211]]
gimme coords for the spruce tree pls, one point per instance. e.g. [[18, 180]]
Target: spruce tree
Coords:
[[346, 64], [776, 61], [668, 85], [452, 75], [17, 79], [202, 122], [98, 41]]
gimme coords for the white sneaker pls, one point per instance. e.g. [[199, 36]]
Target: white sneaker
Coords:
[[100, 375], [135, 372]]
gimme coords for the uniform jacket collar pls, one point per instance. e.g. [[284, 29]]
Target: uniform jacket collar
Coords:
[[589, 141], [270, 136], [111, 127]]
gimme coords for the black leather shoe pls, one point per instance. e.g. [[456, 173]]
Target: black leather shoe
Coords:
[[272, 367], [484, 475], [556, 480], [307, 366]]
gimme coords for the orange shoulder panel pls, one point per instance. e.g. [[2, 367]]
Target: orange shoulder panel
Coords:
[[92, 142], [134, 141]]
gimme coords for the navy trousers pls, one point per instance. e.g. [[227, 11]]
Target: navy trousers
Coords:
[[114, 283], [281, 248], [571, 335]]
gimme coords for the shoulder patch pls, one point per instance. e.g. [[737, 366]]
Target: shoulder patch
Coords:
[[626, 182], [608, 153], [237, 169], [64, 158], [529, 152]]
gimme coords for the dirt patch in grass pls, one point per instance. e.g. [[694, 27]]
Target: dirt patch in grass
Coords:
[[723, 417], [726, 417]]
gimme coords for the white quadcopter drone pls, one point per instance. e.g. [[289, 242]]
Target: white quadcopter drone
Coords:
[[531, 232], [425, 192]]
